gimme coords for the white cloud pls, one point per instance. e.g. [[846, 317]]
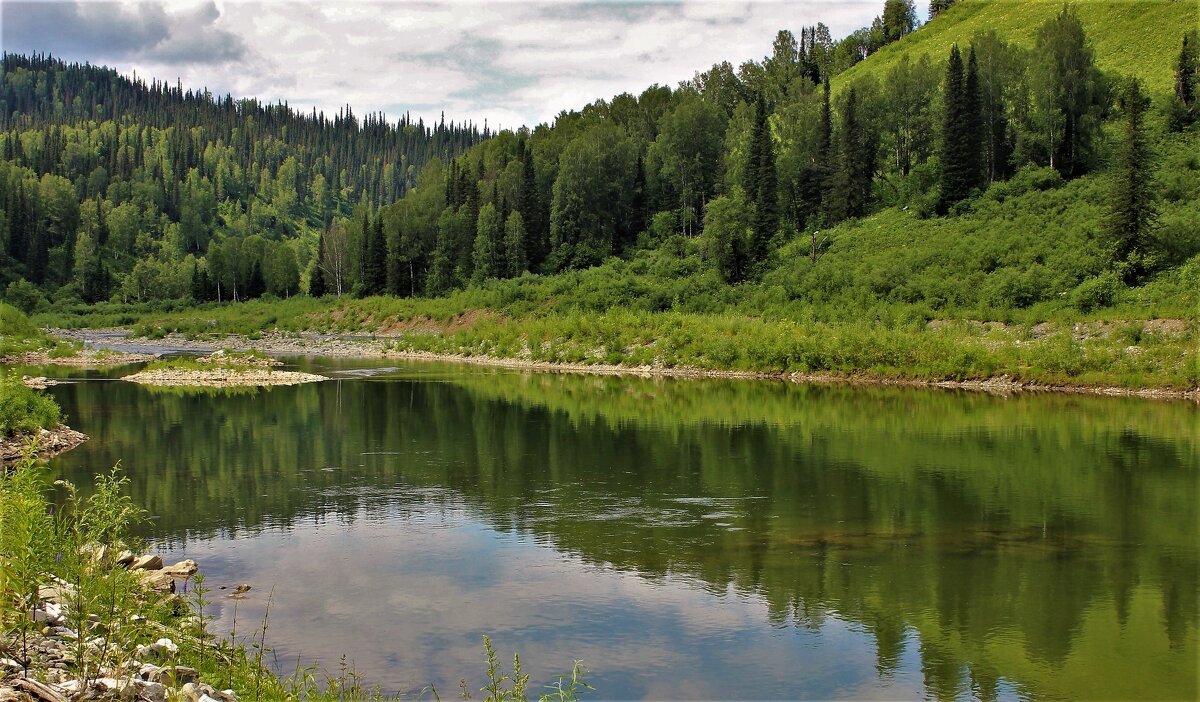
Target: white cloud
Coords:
[[512, 63]]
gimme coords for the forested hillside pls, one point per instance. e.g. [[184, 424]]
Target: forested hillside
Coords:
[[1004, 155], [114, 187]]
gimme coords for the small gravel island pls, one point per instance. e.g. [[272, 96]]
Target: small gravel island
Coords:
[[220, 369]]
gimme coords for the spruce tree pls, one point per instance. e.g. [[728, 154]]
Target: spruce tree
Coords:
[[972, 133], [316, 281], [375, 264], [761, 184], [1187, 73], [1131, 201], [850, 189], [961, 170]]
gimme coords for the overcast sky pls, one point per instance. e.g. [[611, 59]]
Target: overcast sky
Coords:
[[513, 63]]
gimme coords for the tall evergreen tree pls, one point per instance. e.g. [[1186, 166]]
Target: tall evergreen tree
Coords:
[[316, 280], [973, 126], [1131, 202], [961, 151], [850, 190], [761, 184], [375, 265], [1187, 74]]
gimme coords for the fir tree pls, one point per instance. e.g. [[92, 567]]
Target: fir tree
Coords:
[[1183, 109], [761, 184], [961, 132], [316, 281], [850, 190], [1131, 201], [375, 264]]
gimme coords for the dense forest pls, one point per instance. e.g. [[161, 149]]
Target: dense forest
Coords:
[[115, 189]]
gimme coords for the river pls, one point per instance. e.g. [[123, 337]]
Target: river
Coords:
[[712, 539]]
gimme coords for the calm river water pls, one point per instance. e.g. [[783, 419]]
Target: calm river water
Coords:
[[684, 538]]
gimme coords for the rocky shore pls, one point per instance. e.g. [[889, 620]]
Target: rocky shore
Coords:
[[84, 358], [50, 443], [45, 664]]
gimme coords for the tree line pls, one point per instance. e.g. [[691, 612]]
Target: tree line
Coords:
[[112, 186]]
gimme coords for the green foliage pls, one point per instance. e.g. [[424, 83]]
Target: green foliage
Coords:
[[25, 296], [1097, 292], [23, 410]]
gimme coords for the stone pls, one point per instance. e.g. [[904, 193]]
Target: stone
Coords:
[[163, 648], [56, 593], [241, 589], [125, 558], [174, 676], [159, 580], [182, 569], [146, 563], [152, 691]]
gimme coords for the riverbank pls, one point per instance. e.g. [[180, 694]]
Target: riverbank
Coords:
[[394, 347], [83, 358], [49, 443]]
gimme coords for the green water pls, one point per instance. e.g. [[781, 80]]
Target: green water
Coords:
[[687, 539]]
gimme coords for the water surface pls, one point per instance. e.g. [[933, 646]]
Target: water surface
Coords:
[[686, 539]]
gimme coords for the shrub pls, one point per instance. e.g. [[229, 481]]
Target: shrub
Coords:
[[1096, 292], [24, 295], [1027, 180], [14, 323], [23, 410]]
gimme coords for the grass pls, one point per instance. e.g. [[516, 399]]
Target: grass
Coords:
[[19, 335], [1146, 54], [221, 360], [76, 545]]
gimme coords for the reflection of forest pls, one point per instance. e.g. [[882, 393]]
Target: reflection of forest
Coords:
[[1048, 540]]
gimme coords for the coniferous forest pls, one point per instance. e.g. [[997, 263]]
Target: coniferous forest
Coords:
[[949, 170]]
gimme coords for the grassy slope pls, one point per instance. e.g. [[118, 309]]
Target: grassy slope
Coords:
[[1132, 37]]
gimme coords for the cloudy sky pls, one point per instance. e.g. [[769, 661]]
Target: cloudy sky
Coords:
[[512, 63]]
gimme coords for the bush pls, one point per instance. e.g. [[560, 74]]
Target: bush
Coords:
[[24, 295], [1096, 292], [14, 323], [1027, 180], [23, 410]]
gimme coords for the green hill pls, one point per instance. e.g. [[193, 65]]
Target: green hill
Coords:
[[1130, 37], [710, 227]]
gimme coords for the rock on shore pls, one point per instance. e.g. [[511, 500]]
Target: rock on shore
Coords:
[[50, 442], [50, 671]]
